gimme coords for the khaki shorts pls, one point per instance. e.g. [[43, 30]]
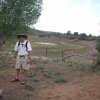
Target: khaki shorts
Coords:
[[22, 63]]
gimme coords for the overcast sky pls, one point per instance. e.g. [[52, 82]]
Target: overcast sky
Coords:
[[75, 15]]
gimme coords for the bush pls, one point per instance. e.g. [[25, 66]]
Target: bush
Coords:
[[98, 49], [98, 44], [30, 86], [60, 80]]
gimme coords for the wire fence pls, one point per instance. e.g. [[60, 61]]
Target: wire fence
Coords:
[[6, 58], [60, 53]]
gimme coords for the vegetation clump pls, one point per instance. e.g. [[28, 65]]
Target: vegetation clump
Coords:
[[98, 49]]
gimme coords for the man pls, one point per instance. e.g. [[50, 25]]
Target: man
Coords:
[[22, 55]]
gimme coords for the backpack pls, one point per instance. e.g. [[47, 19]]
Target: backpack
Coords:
[[25, 45]]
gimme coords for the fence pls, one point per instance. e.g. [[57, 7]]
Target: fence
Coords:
[[77, 56], [70, 55], [48, 52], [60, 53]]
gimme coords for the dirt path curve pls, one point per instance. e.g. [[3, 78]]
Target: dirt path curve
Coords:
[[87, 88]]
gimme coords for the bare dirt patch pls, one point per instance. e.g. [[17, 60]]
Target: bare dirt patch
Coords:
[[51, 82], [85, 88]]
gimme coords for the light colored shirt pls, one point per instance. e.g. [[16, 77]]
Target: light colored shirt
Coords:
[[22, 48]]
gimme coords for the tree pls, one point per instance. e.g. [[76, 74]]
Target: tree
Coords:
[[83, 36], [68, 34], [75, 35], [17, 16]]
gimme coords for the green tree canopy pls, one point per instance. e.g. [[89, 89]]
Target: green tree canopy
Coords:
[[75, 35], [68, 34], [83, 36], [17, 15]]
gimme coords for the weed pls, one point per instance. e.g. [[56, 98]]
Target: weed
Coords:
[[70, 63], [45, 62], [58, 73], [60, 80], [47, 73], [29, 94], [31, 75], [30, 86], [35, 80]]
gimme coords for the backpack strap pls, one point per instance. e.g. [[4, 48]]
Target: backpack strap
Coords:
[[26, 45], [18, 44]]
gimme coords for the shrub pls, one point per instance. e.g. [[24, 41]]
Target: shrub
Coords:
[[98, 44], [98, 49], [60, 80], [47, 73], [30, 86]]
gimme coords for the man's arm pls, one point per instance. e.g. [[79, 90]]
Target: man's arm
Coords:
[[29, 50], [16, 52], [29, 54]]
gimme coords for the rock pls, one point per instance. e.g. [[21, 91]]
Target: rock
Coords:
[[0, 93]]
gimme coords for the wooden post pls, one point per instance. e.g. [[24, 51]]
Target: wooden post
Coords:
[[62, 53], [46, 51]]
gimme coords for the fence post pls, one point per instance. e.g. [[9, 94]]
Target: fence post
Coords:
[[62, 53], [46, 51]]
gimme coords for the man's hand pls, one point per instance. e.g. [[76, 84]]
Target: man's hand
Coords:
[[14, 62], [29, 57]]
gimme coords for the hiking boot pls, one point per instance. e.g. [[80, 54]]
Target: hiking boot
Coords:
[[15, 80], [23, 82]]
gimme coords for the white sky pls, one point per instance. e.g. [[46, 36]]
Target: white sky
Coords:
[[64, 15]]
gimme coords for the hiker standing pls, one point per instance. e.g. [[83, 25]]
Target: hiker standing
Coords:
[[22, 55]]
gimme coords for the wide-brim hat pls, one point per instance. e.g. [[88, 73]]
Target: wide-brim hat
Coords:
[[22, 35]]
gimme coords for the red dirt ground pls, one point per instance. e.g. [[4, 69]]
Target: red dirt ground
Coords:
[[86, 88], [80, 85]]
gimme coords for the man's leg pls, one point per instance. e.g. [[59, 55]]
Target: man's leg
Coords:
[[26, 67], [16, 76], [17, 69], [17, 73], [25, 76]]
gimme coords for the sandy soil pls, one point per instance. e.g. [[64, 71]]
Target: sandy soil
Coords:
[[86, 88], [79, 86]]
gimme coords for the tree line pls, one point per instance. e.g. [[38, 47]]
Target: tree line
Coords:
[[67, 35]]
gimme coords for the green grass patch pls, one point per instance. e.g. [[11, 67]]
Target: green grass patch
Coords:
[[29, 94], [30, 86], [47, 73], [60, 80], [70, 63], [58, 73]]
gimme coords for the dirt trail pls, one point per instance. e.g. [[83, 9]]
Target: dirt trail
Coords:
[[87, 88]]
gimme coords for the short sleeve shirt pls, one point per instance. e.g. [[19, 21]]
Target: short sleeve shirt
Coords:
[[22, 48]]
